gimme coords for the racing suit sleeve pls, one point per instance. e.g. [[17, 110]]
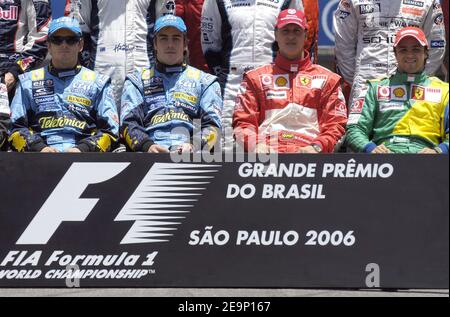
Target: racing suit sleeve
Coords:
[[34, 51], [246, 116], [132, 115], [360, 125], [434, 29], [211, 106], [345, 24], [180, 8], [105, 137], [333, 119], [22, 138], [211, 39]]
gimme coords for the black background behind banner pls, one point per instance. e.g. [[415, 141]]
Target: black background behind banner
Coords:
[[400, 223]]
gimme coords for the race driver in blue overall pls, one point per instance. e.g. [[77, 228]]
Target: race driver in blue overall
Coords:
[[64, 107], [167, 107]]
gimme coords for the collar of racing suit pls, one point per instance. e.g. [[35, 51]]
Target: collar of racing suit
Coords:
[[163, 68], [293, 65], [61, 73], [411, 78]]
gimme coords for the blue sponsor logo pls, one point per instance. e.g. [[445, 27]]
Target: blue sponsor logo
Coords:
[[44, 100], [184, 83], [44, 91], [38, 83], [83, 89], [157, 105], [343, 14], [439, 19], [49, 107], [152, 90], [81, 85], [185, 106], [437, 44], [155, 99], [76, 108], [43, 83]]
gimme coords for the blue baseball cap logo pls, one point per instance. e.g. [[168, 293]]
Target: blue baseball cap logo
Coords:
[[170, 20], [67, 23]]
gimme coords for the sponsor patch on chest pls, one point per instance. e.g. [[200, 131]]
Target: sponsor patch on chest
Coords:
[[398, 93], [41, 88], [185, 97], [266, 80], [79, 100], [389, 106], [417, 92], [88, 76], [43, 91], [384, 93], [274, 94], [187, 84], [433, 94], [318, 81], [303, 81], [185, 106], [281, 81]]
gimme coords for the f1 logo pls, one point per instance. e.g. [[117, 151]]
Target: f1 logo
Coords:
[[150, 223], [67, 193]]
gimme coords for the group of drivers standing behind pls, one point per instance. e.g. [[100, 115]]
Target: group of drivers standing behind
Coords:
[[213, 75]]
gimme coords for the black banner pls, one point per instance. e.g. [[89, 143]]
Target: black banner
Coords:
[[305, 221]]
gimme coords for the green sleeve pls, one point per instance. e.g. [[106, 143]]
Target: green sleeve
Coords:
[[361, 121]]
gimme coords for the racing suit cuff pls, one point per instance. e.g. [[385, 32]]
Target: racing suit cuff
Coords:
[[317, 146], [37, 146], [442, 148], [369, 147], [146, 145], [318, 143]]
